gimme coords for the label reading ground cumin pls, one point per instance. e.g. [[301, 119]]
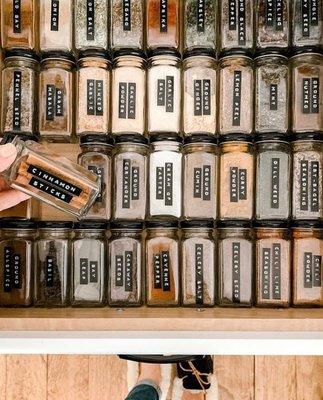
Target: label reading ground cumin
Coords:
[[202, 183]]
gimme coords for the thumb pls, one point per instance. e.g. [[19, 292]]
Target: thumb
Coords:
[[8, 154]]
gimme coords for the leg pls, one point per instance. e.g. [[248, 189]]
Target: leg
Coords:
[[144, 391]]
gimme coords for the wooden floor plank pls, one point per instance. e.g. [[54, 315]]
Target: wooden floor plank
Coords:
[[309, 378], [3, 374], [235, 376], [68, 377], [275, 378], [26, 377]]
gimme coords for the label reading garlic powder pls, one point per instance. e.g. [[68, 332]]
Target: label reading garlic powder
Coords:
[[236, 265], [90, 21], [199, 255], [127, 100], [202, 97], [16, 114], [126, 15], [238, 184], [202, 183], [309, 185], [94, 97], [164, 184], [16, 15], [200, 15], [312, 270], [236, 101], [49, 271], [163, 16], [54, 15], [275, 170], [124, 270], [7, 269], [54, 102], [310, 98], [100, 172]]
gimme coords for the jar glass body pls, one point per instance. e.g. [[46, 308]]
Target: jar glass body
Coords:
[[200, 185], [91, 24], [93, 96], [198, 267], [17, 259], [89, 268], [19, 95], [52, 268], [19, 24], [307, 23], [307, 92], [236, 265], [236, 28], [236, 94], [162, 267], [98, 159], [56, 25], [307, 180], [272, 94], [125, 268], [163, 18], [130, 181], [307, 267], [199, 92], [165, 180], [56, 87], [273, 180], [52, 178], [272, 23], [236, 181], [127, 23], [200, 23], [128, 95], [273, 267], [164, 94]]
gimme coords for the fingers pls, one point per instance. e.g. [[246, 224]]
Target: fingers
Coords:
[[10, 198], [8, 154]]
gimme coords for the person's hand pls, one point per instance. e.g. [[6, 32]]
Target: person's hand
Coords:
[[8, 197]]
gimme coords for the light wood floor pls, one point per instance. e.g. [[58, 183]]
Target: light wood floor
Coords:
[[104, 378]]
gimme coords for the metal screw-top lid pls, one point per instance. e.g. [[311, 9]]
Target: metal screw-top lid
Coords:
[[318, 135], [21, 53], [127, 225], [307, 224], [235, 224], [131, 138], [91, 224], [161, 137], [96, 139], [164, 51], [9, 137], [236, 137], [161, 224], [127, 51], [58, 55], [196, 224], [55, 224], [199, 52], [271, 224], [200, 138], [17, 223]]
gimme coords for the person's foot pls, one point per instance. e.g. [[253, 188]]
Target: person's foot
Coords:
[[151, 372]]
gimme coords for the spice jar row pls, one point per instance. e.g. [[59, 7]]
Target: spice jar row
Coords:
[[55, 268], [81, 24], [180, 97]]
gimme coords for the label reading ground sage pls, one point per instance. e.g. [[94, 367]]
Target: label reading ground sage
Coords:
[[199, 254], [157, 271], [16, 114], [242, 22], [238, 184], [95, 97], [236, 265], [7, 269], [16, 22], [90, 21], [236, 103], [54, 102], [310, 98], [273, 97], [163, 16], [127, 100], [200, 18], [54, 15], [202, 97], [309, 185], [126, 13], [164, 183], [100, 172], [275, 167], [312, 270]]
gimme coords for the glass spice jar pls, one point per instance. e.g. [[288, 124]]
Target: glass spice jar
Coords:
[[18, 24], [52, 253], [17, 262], [200, 23], [163, 19], [126, 264], [198, 263], [307, 90], [96, 156], [127, 18], [56, 97], [89, 264], [236, 27], [307, 176], [93, 92], [236, 92], [130, 177], [272, 23], [236, 189], [50, 177], [162, 263], [200, 177], [273, 177], [19, 88], [199, 92], [235, 264], [307, 22], [165, 176], [273, 264], [56, 25], [128, 91], [91, 24], [271, 91], [307, 264]]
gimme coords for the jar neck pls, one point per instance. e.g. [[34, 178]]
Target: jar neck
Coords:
[[235, 61], [57, 64], [129, 61], [279, 146], [199, 61], [166, 146], [200, 147], [162, 232], [117, 234], [204, 233], [306, 233], [307, 145], [96, 148], [18, 233], [93, 62], [164, 60], [268, 233], [237, 233], [131, 147], [20, 62], [90, 234], [54, 234], [267, 60], [307, 58], [240, 147]]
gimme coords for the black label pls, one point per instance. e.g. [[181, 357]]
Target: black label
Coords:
[[238, 184], [311, 94], [54, 102], [207, 182], [94, 272], [163, 16], [275, 169], [304, 185], [273, 97], [202, 97], [84, 271], [197, 183], [16, 271], [202, 183], [49, 271], [135, 179], [90, 21], [309, 185], [314, 12], [99, 171], [126, 178], [199, 256], [160, 180], [54, 16], [168, 184], [126, 13], [266, 262], [59, 101], [161, 92], [279, 17], [128, 271], [127, 100], [16, 14], [169, 94], [165, 271], [236, 272], [269, 16], [276, 275], [232, 15], [7, 269], [236, 104], [119, 270], [131, 100], [274, 14], [315, 195], [306, 18], [16, 115], [242, 184], [50, 189], [200, 15], [317, 271], [312, 270], [157, 263], [242, 22], [95, 97]]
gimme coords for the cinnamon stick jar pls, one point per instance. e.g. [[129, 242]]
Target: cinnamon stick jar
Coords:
[[162, 263], [56, 97], [17, 262], [51, 178]]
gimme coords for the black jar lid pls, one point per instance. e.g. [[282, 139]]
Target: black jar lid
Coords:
[[94, 53], [202, 52], [96, 139], [164, 51], [306, 49], [234, 224], [308, 136], [236, 137], [9, 137], [22, 53], [307, 224], [161, 137], [58, 55], [271, 224], [127, 225], [127, 51], [236, 52], [271, 51], [131, 138], [91, 224], [272, 137], [161, 224], [200, 138], [55, 224], [17, 223], [198, 223]]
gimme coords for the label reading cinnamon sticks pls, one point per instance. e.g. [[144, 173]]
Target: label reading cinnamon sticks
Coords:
[[54, 102], [7, 269], [16, 15], [242, 22], [126, 15], [310, 98], [238, 184], [54, 15], [276, 271], [199, 254], [157, 266], [273, 97], [236, 102], [265, 278], [236, 265], [275, 170], [90, 20], [127, 100], [202, 97], [202, 183], [95, 97], [50, 189], [309, 185], [164, 184], [49, 271], [200, 17], [232, 15], [16, 114], [163, 16], [99, 171], [312, 270]]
